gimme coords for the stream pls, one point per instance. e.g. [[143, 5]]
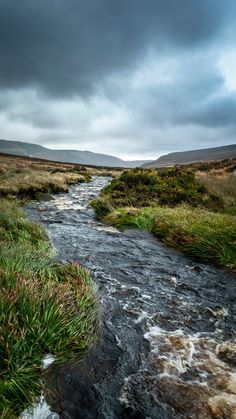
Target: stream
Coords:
[[167, 347]]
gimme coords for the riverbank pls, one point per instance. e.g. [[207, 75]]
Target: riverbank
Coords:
[[45, 307], [167, 341], [178, 208]]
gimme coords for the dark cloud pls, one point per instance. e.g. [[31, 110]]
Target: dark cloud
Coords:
[[125, 77], [218, 112], [192, 95], [70, 46]]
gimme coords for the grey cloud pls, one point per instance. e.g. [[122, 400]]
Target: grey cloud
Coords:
[[130, 76], [219, 112], [192, 92], [70, 46]]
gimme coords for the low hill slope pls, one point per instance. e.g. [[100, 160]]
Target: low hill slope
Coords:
[[193, 156]]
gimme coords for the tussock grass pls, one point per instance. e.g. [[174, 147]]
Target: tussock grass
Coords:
[[183, 209], [29, 182], [104, 172], [207, 236], [14, 228], [45, 308], [23, 177], [222, 183]]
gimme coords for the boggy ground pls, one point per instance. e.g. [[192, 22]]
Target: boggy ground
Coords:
[[191, 208], [45, 307]]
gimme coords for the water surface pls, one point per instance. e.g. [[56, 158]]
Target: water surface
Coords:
[[167, 346]]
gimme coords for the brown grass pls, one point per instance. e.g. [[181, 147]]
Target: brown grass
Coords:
[[13, 163], [222, 182], [23, 177], [29, 182]]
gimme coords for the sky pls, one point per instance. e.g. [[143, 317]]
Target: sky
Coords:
[[133, 78]]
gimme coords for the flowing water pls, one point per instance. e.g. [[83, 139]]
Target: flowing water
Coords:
[[167, 347]]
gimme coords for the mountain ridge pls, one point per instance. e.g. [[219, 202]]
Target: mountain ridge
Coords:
[[194, 156], [25, 149]]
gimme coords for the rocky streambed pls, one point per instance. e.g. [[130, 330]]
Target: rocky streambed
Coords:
[[167, 347]]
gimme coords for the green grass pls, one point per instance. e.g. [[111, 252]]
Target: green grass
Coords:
[[45, 307], [177, 208], [204, 235]]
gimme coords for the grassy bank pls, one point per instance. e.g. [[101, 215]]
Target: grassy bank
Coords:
[[45, 307], [25, 178], [178, 208], [206, 236]]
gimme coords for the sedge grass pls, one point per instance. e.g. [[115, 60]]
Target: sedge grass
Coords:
[[207, 236], [178, 207], [45, 307], [29, 182]]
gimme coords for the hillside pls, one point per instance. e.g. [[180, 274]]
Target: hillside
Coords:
[[193, 156], [69, 156]]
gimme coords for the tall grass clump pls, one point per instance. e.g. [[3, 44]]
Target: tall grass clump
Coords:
[[179, 207], [223, 184], [204, 235], [45, 307]]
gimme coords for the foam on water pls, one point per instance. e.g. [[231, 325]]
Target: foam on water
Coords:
[[41, 410], [167, 346], [197, 360]]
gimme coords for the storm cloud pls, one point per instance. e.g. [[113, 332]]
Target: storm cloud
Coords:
[[129, 77]]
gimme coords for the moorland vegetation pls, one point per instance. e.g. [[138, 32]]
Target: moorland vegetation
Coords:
[[191, 208], [45, 307], [48, 307]]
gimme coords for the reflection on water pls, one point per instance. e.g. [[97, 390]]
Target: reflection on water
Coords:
[[167, 346]]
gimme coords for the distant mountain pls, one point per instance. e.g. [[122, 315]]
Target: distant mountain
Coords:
[[193, 156], [70, 156], [137, 163]]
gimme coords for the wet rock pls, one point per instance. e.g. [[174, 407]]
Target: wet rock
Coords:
[[42, 196], [163, 353]]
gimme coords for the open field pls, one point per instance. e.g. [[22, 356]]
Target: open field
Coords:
[[192, 208], [45, 307]]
